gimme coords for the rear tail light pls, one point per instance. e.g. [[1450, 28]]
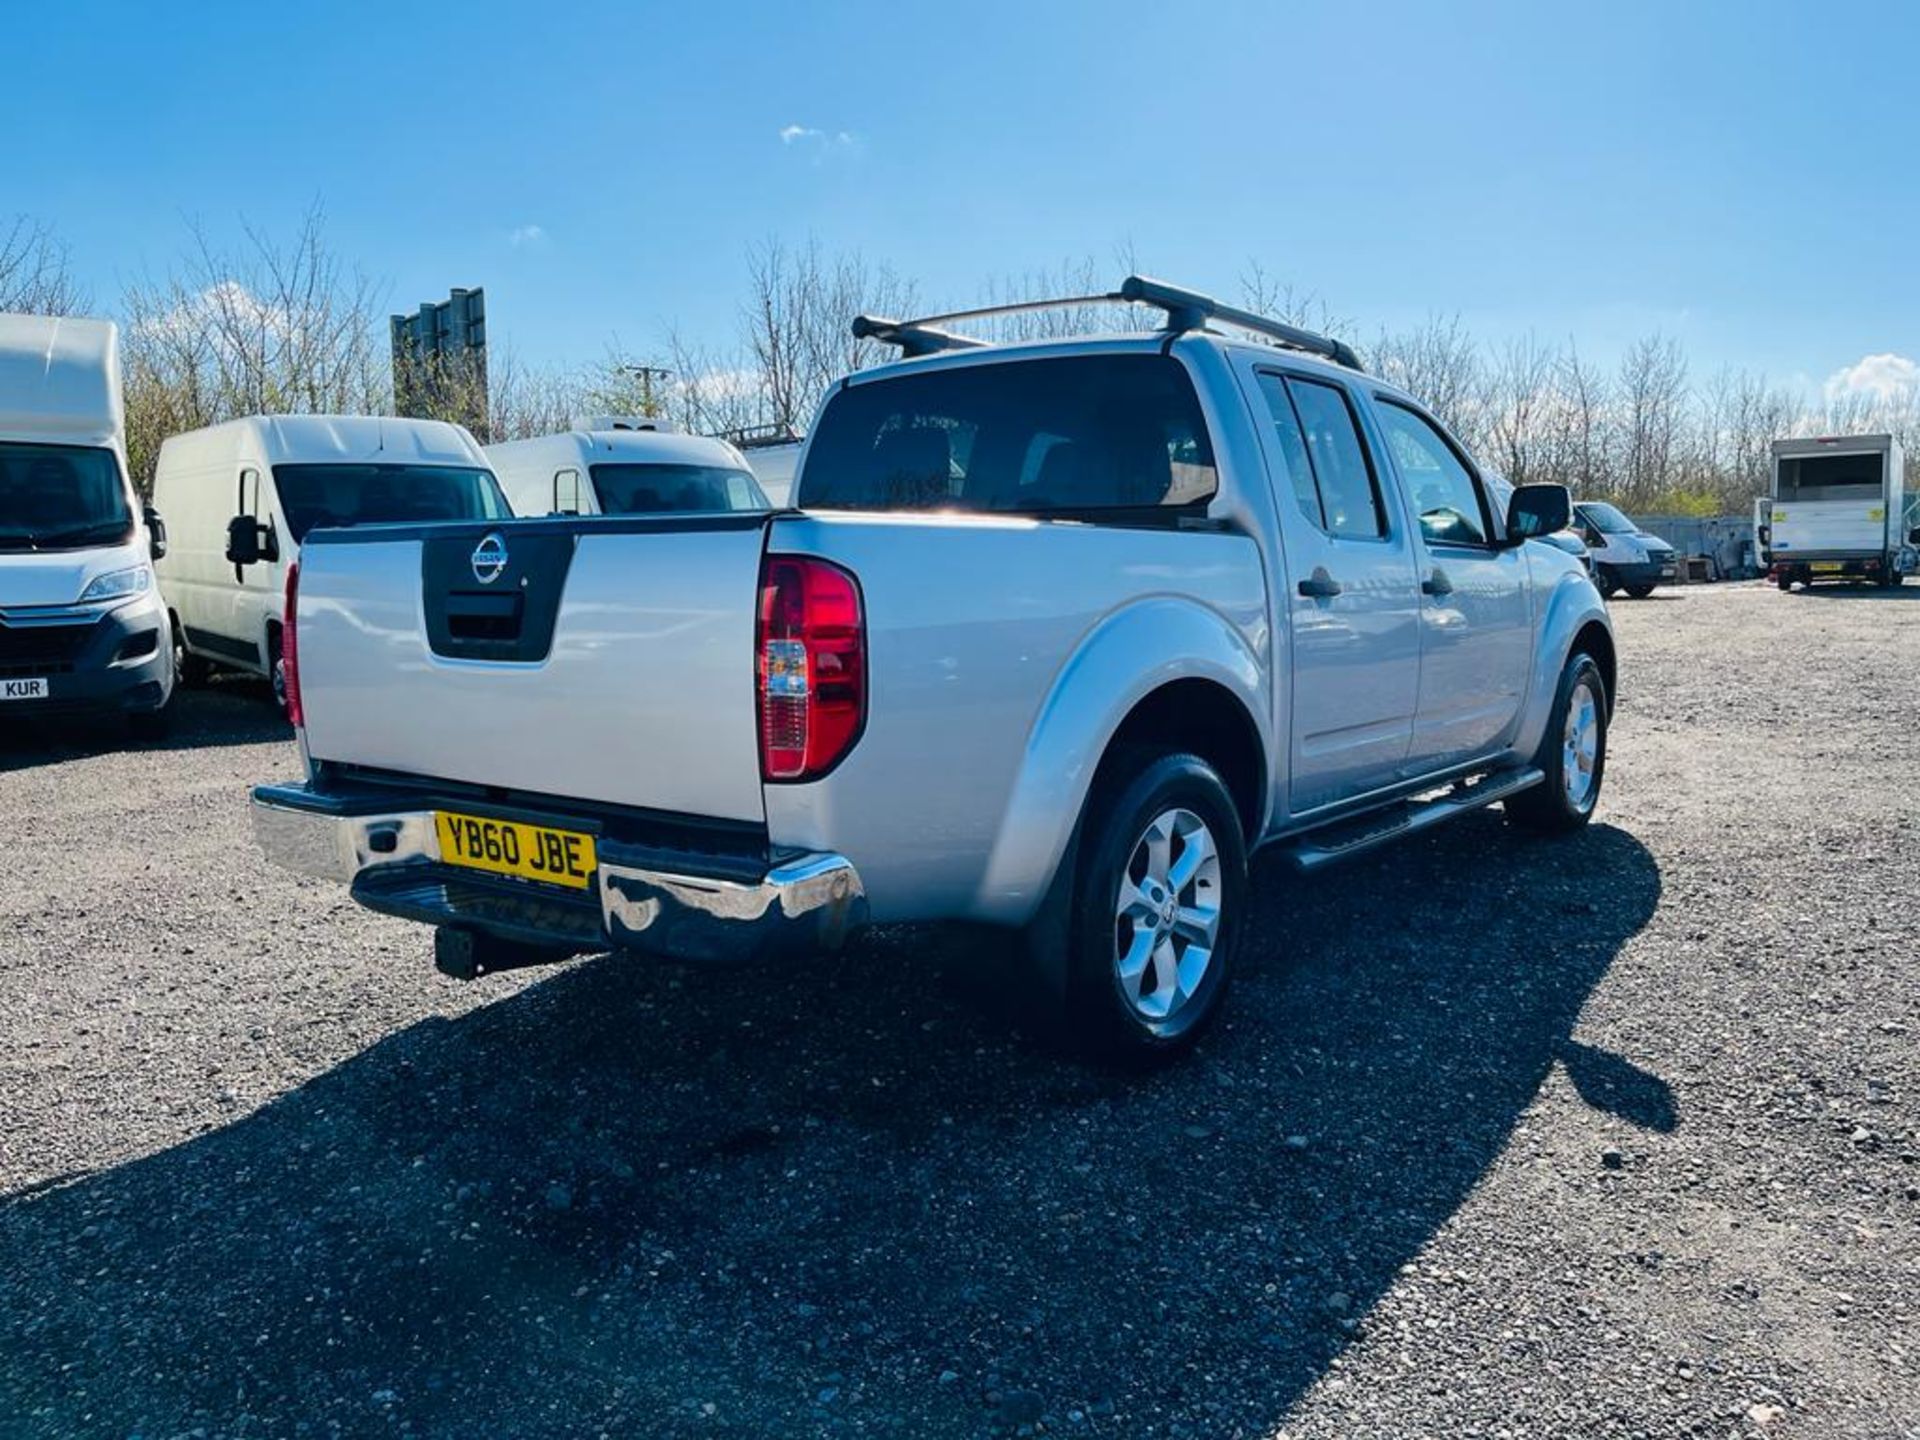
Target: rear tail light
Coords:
[[811, 657], [290, 647]]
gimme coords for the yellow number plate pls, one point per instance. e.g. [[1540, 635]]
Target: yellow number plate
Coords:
[[506, 847], [1827, 567]]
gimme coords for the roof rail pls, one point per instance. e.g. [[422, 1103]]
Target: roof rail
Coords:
[[1184, 310]]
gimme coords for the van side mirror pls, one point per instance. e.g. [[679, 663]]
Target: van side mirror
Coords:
[[243, 541], [156, 534], [1537, 510], [566, 492]]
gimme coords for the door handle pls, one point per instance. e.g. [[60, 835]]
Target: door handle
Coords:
[[1436, 584], [1320, 585]]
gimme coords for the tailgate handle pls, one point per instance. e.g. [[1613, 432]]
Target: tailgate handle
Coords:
[[483, 616]]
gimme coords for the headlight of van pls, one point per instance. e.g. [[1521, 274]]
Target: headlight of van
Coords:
[[118, 584]]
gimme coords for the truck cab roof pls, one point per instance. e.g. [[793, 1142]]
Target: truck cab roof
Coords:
[[60, 380]]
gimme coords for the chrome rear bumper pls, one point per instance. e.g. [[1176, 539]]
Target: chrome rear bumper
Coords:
[[390, 857]]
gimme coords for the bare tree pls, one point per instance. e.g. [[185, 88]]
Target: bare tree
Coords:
[[1518, 393], [268, 327], [35, 278], [1439, 364], [1653, 402]]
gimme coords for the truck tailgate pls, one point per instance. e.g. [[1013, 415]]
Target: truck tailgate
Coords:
[[608, 660], [1829, 527]]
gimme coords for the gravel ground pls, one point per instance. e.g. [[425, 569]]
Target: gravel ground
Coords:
[[1613, 1135]]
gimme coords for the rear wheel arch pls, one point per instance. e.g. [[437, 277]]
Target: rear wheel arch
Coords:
[[1203, 718]]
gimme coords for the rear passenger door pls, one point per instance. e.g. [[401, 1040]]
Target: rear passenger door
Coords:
[[1351, 604], [1476, 627]]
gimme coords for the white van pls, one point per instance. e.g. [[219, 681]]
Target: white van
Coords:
[[81, 623], [616, 465], [240, 497]]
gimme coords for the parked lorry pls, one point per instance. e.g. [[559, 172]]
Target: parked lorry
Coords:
[[623, 465], [1839, 512], [82, 628], [241, 498], [1059, 633]]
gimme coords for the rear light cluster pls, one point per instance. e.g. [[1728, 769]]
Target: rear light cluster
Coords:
[[811, 656], [290, 647]]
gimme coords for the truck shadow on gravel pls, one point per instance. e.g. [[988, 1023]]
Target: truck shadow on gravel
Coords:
[[839, 1198], [229, 712]]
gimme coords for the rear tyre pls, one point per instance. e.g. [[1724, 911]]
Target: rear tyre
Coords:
[[1572, 754], [276, 670], [1639, 592], [1159, 896]]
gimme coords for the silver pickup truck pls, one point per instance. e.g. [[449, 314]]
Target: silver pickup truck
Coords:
[[1054, 637]]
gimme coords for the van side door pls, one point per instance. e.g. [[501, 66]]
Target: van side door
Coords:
[[1351, 606], [1476, 605]]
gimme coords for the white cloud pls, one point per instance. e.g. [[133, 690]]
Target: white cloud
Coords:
[[819, 142], [522, 236], [1879, 378]]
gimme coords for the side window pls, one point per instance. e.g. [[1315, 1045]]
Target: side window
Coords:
[[1444, 493], [1333, 481], [1293, 447]]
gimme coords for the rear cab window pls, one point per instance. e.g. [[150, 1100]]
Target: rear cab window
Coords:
[[1094, 436]]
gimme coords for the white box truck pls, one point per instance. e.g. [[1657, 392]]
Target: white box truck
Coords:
[[1839, 512], [81, 624], [241, 497]]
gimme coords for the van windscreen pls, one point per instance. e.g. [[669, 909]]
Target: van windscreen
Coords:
[[56, 497], [314, 497], [667, 489]]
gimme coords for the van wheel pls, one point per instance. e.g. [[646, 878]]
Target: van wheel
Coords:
[[1157, 908], [1572, 754], [1608, 582], [276, 670], [1639, 592], [189, 669]]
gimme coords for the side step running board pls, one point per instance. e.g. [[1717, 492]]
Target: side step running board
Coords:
[[1344, 839]]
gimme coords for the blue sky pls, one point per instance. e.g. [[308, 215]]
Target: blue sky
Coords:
[[1739, 176]]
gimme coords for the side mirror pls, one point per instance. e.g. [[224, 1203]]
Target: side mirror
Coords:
[[1765, 533], [156, 534], [1537, 510], [243, 540]]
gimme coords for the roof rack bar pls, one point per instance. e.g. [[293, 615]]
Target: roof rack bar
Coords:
[[914, 337], [1190, 310], [1184, 309]]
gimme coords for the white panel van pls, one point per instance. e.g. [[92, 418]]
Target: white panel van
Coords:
[[608, 466], [239, 499], [81, 624]]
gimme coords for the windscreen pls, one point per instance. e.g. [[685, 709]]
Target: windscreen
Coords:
[[316, 496], [1830, 477], [669, 489], [55, 497], [1031, 437], [1608, 521]]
